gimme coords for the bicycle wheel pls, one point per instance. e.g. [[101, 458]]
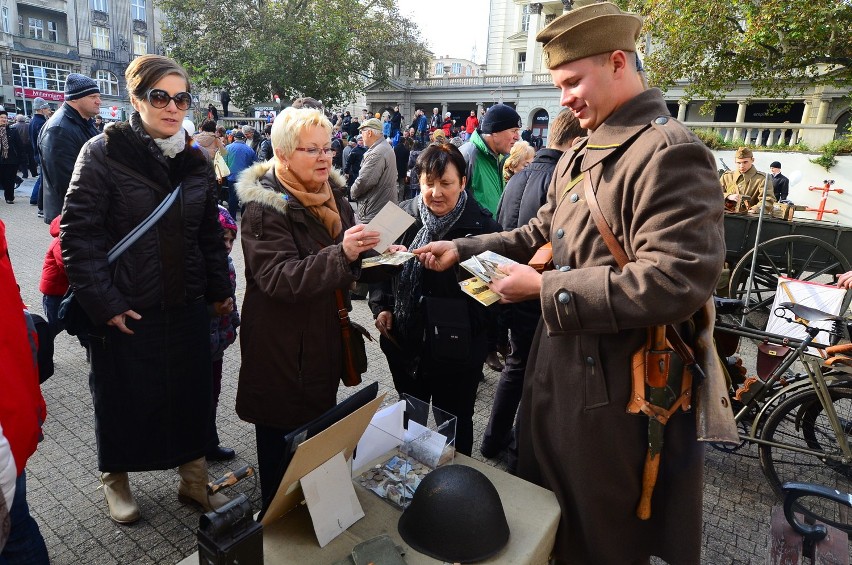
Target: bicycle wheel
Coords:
[[800, 421]]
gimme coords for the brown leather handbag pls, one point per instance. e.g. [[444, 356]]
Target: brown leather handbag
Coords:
[[354, 347]]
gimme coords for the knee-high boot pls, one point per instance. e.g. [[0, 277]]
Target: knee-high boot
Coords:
[[122, 508], [193, 486]]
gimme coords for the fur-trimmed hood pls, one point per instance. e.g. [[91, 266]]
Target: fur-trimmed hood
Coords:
[[258, 184]]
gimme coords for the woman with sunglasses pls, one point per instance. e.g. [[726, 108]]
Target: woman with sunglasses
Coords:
[[150, 351], [300, 244]]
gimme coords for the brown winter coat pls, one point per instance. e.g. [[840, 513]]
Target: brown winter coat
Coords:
[[660, 194], [290, 338]]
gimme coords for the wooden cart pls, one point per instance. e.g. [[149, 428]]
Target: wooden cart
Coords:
[[801, 249]]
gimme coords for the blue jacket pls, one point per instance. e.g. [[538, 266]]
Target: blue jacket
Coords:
[[422, 123], [240, 157]]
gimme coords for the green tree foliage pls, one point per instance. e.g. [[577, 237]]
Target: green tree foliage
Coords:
[[779, 45], [327, 49]]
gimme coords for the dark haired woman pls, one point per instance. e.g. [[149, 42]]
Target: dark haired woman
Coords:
[[150, 346], [442, 211]]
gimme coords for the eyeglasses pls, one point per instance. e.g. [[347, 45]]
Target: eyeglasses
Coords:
[[315, 152], [160, 99]]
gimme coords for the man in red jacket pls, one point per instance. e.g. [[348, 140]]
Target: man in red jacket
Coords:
[[22, 411]]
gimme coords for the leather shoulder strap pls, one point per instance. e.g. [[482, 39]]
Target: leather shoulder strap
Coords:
[[606, 232], [622, 259]]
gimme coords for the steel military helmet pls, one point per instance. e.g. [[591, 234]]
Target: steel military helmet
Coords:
[[455, 515]]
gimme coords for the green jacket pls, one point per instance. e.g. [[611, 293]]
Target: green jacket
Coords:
[[484, 172]]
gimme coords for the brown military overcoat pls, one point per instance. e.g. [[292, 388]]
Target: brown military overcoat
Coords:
[[658, 189]]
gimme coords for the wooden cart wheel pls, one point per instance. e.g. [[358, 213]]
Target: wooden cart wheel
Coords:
[[795, 256]]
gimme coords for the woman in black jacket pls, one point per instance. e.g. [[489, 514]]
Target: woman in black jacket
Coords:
[[150, 346], [11, 151], [409, 308]]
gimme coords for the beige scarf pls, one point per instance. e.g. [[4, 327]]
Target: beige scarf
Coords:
[[320, 202]]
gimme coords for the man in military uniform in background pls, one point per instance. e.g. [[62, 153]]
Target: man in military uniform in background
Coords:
[[657, 188], [744, 187]]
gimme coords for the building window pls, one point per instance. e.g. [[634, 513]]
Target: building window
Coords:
[[456, 68], [140, 44], [5, 19], [137, 10], [107, 83], [36, 28], [52, 32], [100, 38], [525, 18], [439, 68], [522, 61], [101, 5], [20, 25], [41, 75]]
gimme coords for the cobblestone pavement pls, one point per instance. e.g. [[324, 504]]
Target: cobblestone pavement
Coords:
[[63, 478]]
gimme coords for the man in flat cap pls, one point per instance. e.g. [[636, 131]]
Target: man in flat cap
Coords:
[[745, 186], [657, 189], [375, 185]]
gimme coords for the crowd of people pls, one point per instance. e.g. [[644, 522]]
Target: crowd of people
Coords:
[[144, 215]]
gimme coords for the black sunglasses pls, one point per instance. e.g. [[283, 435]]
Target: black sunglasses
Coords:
[[159, 98]]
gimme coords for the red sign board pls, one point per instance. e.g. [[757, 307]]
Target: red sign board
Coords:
[[33, 93]]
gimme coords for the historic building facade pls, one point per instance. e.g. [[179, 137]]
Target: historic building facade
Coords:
[[42, 41], [514, 73]]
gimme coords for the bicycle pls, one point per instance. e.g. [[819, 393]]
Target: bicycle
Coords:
[[801, 422]]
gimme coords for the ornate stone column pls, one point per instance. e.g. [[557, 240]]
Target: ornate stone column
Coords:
[[741, 110], [681, 110], [822, 112], [533, 46]]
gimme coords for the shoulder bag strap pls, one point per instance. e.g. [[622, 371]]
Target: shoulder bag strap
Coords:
[[146, 224], [622, 259], [345, 331]]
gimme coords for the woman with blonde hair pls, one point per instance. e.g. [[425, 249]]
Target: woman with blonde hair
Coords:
[[301, 245], [520, 156], [149, 341]]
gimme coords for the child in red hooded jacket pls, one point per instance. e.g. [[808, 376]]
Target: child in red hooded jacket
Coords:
[[53, 286]]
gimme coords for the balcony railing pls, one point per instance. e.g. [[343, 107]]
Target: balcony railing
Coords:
[[502, 79], [763, 134], [464, 81], [25, 43], [542, 78], [103, 54]]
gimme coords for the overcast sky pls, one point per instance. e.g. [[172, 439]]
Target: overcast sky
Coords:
[[451, 27]]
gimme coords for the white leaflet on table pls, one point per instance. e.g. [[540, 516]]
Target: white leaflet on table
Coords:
[[384, 433], [332, 502], [391, 222]]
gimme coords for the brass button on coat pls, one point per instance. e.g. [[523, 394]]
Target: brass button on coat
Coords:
[[575, 198], [560, 233], [563, 297]]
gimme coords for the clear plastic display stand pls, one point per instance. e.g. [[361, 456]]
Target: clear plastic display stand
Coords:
[[414, 438]]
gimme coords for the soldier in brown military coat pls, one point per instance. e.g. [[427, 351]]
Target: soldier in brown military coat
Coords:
[[658, 189], [744, 187]]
